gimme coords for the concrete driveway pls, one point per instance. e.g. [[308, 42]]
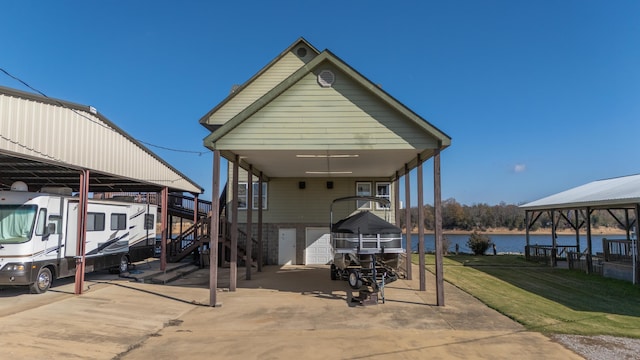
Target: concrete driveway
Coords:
[[284, 312]]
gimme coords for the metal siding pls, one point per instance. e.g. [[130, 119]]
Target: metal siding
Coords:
[[307, 116], [615, 191], [50, 132], [281, 70]]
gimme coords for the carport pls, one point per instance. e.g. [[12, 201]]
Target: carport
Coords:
[[308, 117], [55, 143]]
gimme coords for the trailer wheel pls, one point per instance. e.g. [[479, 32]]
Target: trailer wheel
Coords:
[[43, 281], [354, 280], [334, 272], [124, 264]]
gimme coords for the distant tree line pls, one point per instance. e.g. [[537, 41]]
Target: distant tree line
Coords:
[[456, 216]]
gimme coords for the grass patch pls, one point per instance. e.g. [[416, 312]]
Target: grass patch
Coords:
[[544, 299]]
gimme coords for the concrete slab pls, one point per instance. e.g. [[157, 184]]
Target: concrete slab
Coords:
[[283, 312]]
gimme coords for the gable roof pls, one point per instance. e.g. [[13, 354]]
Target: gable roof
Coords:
[[608, 193], [280, 124], [323, 57], [237, 90]]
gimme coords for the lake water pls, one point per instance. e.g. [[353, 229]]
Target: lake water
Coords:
[[511, 243]]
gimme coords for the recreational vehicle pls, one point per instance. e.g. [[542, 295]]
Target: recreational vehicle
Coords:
[[39, 235]]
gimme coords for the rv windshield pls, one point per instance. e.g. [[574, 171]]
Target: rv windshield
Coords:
[[16, 223]]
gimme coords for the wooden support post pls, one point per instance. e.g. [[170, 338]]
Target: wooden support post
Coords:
[[396, 199], [407, 218], [577, 220], [164, 194], [260, 205], [527, 226], [627, 225], [423, 280], [214, 230], [554, 249], [83, 201], [437, 207], [589, 248], [636, 253], [195, 229], [249, 229], [233, 260]]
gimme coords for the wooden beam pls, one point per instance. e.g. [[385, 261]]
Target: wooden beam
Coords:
[[407, 218], [396, 198], [195, 227], [577, 227], [554, 250], [233, 261], [636, 260], [249, 243], [423, 280], [164, 195], [589, 248], [82, 231], [260, 205], [214, 230], [437, 207]]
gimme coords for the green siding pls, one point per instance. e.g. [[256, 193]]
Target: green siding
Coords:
[[345, 116], [289, 204], [280, 70]]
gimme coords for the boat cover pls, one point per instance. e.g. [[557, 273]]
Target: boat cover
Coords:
[[364, 223]]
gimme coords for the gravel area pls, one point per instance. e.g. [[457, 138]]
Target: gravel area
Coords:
[[601, 347]]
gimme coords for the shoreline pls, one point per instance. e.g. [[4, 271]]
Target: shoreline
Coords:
[[500, 231]]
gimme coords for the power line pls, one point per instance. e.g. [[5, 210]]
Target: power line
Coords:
[[94, 121]]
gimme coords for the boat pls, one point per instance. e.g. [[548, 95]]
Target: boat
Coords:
[[367, 250]]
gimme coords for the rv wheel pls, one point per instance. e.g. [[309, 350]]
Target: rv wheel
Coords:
[[354, 280], [124, 264], [43, 281]]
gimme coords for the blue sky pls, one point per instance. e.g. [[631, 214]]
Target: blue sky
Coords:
[[538, 96]]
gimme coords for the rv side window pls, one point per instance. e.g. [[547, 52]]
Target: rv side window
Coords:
[[149, 221], [118, 221], [57, 220], [42, 219], [95, 222]]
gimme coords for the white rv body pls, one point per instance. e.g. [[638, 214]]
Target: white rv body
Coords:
[[39, 236]]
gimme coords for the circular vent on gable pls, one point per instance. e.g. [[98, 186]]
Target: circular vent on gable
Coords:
[[326, 78], [302, 52]]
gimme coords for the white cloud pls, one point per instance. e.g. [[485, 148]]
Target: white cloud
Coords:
[[519, 168]]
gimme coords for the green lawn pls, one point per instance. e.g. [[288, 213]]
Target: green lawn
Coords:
[[544, 299]]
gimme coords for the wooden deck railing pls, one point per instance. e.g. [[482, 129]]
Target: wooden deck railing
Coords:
[[548, 254], [617, 250]]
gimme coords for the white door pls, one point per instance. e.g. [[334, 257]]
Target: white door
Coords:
[[318, 246], [287, 246]]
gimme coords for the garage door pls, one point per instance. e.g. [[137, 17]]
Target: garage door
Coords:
[[318, 246]]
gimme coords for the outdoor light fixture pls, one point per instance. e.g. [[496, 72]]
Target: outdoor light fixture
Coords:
[[329, 156]]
